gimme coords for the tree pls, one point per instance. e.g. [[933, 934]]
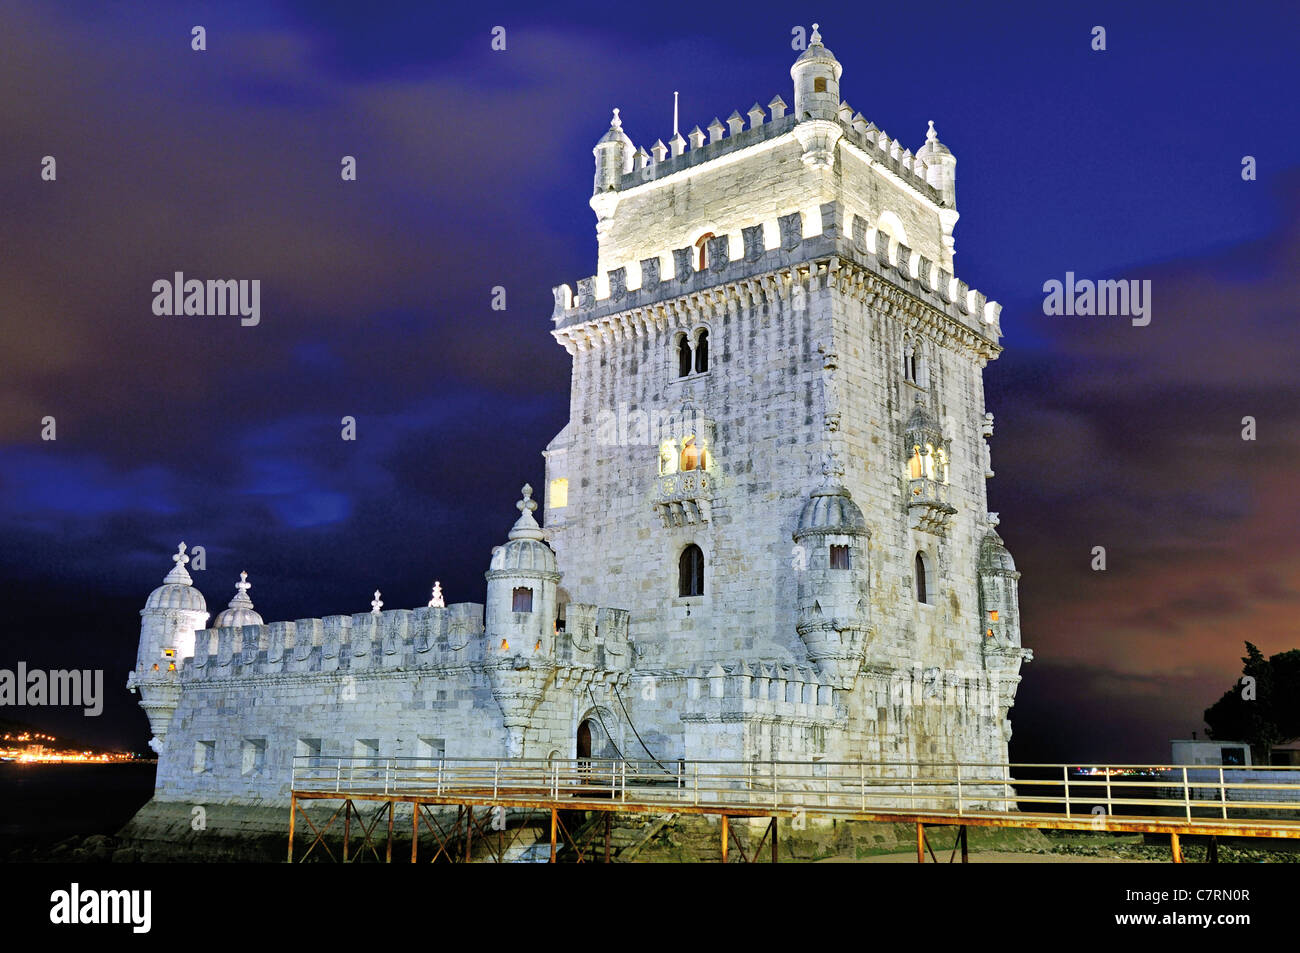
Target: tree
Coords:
[[1263, 708]]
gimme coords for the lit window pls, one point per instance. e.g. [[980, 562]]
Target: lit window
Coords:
[[692, 455], [916, 468], [993, 615], [523, 600], [667, 457], [559, 493], [819, 84], [690, 572], [840, 557]]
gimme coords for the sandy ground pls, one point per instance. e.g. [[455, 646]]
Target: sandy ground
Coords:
[[985, 857]]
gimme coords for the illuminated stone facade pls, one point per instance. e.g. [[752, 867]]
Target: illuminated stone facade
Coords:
[[773, 479]]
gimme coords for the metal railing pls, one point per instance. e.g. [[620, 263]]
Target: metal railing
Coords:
[[1075, 792]]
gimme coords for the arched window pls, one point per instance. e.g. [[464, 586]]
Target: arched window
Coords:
[[702, 352], [840, 557], [702, 250], [922, 594], [692, 456], [916, 466], [909, 363], [690, 572], [683, 356]]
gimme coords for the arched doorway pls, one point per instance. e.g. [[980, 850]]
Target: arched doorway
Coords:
[[584, 740]]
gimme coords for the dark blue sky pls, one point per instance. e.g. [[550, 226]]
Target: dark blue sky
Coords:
[[474, 171]]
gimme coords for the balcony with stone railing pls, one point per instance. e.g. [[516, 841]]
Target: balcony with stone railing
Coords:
[[682, 498], [928, 506]]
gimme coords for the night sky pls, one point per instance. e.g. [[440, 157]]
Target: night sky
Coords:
[[474, 170]]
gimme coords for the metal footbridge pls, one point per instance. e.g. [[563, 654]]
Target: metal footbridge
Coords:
[[451, 802]]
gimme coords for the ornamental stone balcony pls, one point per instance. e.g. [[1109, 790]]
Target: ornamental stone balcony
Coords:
[[928, 506], [682, 498]]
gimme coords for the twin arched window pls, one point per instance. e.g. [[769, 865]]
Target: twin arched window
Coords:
[[697, 357], [690, 572]]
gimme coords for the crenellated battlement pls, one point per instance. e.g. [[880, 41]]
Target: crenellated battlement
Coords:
[[448, 637], [766, 261], [798, 694], [875, 145]]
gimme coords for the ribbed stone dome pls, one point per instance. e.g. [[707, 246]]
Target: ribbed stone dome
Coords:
[[240, 611], [177, 590], [830, 509], [177, 597], [528, 554], [994, 557]]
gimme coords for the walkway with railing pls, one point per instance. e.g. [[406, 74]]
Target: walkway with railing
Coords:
[[1176, 800]]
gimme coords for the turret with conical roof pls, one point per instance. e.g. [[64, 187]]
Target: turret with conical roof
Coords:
[[168, 621], [816, 74], [830, 563], [520, 621]]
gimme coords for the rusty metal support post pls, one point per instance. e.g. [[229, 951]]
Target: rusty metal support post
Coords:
[[1212, 851], [964, 853], [347, 827], [1176, 847], [608, 819], [774, 829], [293, 810], [553, 818], [920, 842], [388, 854], [415, 828], [725, 836], [469, 830]]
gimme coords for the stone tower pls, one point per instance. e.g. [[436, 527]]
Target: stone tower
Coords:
[[775, 454], [168, 621]]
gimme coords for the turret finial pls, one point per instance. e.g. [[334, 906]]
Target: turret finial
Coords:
[[816, 37], [526, 526], [931, 135], [436, 600], [241, 600], [376, 604], [178, 575]]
